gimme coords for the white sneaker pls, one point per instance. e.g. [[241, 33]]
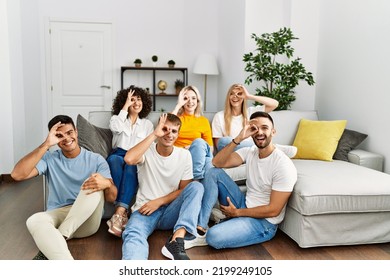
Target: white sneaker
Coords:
[[199, 240], [217, 215]]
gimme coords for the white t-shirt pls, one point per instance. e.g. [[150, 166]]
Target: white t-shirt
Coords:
[[275, 172], [159, 176], [218, 124], [126, 135]]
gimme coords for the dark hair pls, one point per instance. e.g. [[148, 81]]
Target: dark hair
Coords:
[[121, 97], [174, 119], [60, 118], [260, 114]]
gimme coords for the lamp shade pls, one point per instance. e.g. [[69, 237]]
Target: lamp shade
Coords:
[[206, 64]]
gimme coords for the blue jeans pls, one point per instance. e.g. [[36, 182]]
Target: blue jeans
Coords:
[[183, 212], [224, 141], [124, 177], [201, 157], [234, 232]]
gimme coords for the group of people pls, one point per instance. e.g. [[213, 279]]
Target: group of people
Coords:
[[166, 177]]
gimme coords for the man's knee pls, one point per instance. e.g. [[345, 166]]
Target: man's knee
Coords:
[[213, 238], [36, 220], [214, 173], [195, 189]]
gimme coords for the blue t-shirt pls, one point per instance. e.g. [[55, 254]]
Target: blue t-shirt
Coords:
[[66, 175]]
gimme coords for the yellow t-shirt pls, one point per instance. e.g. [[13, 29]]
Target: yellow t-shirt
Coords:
[[193, 127]]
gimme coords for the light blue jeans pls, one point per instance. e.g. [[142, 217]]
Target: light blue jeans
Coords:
[[183, 212], [224, 141], [201, 157], [234, 232]]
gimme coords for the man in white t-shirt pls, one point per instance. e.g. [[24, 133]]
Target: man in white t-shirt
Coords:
[[167, 196], [252, 217]]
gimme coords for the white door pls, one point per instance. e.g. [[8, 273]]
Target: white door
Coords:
[[81, 68]]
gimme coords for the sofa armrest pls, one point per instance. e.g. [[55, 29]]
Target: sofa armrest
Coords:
[[366, 159]]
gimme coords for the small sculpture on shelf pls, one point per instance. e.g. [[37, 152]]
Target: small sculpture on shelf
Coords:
[[162, 85], [179, 84], [137, 62], [171, 63], [154, 59]]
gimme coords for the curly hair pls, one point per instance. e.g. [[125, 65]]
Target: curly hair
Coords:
[[121, 97]]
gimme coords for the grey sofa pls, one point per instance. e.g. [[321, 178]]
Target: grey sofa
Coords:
[[335, 202]]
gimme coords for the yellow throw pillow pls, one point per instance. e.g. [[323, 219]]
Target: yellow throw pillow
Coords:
[[318, 139]]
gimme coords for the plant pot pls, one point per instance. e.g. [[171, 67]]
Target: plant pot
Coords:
[[171, 65], [178, 89], [137, 64]]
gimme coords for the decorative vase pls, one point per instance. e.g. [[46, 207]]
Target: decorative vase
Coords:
[[178, 89]]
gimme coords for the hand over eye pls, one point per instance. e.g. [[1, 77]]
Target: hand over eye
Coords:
[[253, 128]]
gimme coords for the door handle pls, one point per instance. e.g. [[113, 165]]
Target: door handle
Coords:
[[107, 87]]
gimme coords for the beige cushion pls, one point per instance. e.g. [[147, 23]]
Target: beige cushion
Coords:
[[339, 187]]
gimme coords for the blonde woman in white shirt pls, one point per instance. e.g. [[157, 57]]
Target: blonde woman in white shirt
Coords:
[[129, 126], [228, 123]]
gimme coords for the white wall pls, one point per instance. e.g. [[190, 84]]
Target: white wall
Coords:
[[342, 42], [353, 68], [258, 20], [6, 142], [171, 29], [304, 21], [14, 112], [231, 47]]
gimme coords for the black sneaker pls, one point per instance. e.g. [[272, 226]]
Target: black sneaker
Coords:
[[174, 250], [40, 256]]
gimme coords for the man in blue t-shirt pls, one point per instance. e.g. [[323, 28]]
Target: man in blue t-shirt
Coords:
[[79, 182]]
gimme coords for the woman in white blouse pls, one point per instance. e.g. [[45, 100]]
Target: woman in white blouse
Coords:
[[228, 123], [129, 126]]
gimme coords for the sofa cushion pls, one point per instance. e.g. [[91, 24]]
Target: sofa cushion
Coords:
[[338, 187], [93, 138], [348, 141], [100, 118], [286, 124], [318, 139]]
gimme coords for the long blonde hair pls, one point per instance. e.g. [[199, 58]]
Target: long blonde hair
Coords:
[[227, 115], [198, 109]]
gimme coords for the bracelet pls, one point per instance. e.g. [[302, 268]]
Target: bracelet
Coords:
[[235, 142]]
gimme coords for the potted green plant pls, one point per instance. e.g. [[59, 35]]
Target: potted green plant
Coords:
[[137, 62], [154, 59], [179, 84], [267, 65], [171, 63]]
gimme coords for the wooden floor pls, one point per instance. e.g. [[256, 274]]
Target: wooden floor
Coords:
[[20, 200]]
